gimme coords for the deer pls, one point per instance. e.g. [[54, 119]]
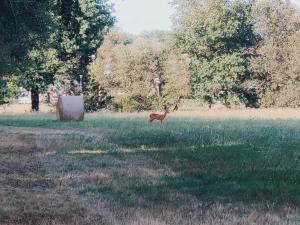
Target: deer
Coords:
[[156, 116]]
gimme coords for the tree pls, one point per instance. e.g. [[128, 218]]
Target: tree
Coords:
[[29, 40], [157, 35], [102, 69], [8, 90], [51, 41], [8, 28], [43, 63], [176, 78], [83, 23], [277, 71], [215, 34], [140, 73]]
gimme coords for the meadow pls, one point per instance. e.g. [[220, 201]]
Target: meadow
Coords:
[[208, 168]]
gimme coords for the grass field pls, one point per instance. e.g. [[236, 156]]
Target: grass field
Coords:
[[225, 168]]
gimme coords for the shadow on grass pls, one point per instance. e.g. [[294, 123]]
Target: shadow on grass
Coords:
[[230, 160], [223, 173]]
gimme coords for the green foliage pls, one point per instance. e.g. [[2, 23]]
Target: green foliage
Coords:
[[50, 41], [97, 97], [140, 74], [29, 41], [176, 78], [127, 71], [277, 71], [8, 87], [157, 35], [215, 34], [43, 63], [81, 33], [45, 42], [8, 90]]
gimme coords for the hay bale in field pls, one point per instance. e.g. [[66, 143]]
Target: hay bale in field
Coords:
[[70, 108]]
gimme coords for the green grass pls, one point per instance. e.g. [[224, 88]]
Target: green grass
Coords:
[[227, 161], [230, 159]]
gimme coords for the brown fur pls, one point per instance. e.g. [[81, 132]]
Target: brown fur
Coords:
[[156, 116]]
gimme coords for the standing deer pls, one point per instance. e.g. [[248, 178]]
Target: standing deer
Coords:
[[156, 116]]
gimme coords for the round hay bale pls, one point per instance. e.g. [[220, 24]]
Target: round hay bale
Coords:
[[70, 108]]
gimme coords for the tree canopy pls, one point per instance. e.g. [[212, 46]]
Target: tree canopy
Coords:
[[215, 34], [234, 52], [277, 71], [140, 74], [50, 41]]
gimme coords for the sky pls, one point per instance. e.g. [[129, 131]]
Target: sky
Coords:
[[297, 2], [137, 16]]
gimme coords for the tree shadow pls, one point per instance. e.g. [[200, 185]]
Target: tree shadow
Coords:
[[219, 173]]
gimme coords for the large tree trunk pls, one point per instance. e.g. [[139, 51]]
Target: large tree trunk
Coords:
[[35, 101]]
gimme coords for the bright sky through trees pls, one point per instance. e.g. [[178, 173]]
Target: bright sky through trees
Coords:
[[136, 16], [297, 2]]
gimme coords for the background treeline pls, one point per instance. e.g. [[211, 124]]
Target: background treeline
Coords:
[[238, 53], [140, 73]]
